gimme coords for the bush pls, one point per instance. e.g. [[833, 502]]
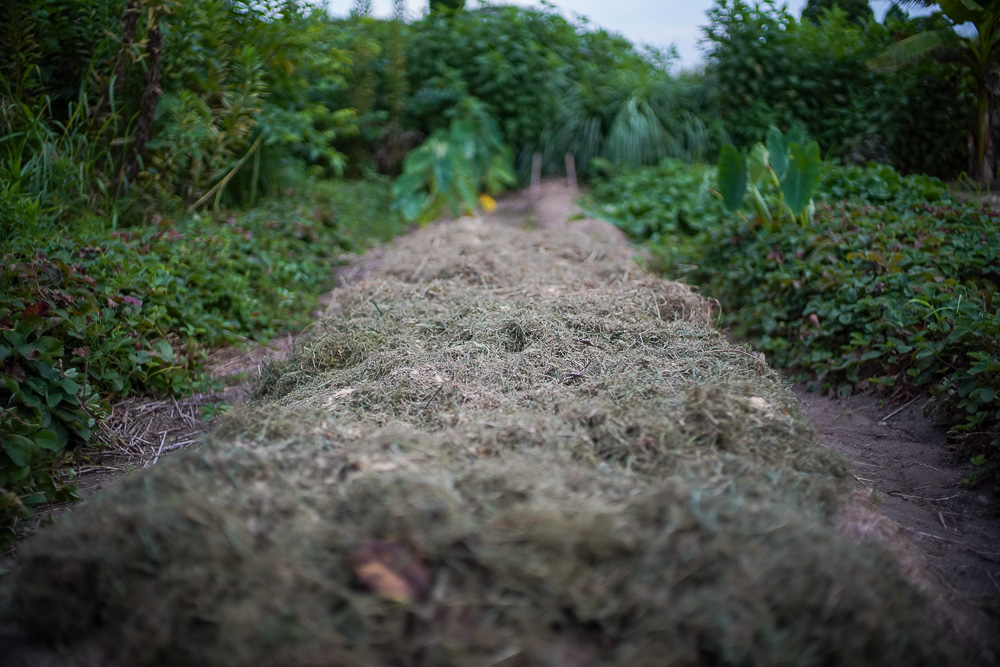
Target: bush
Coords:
[[768, 69]]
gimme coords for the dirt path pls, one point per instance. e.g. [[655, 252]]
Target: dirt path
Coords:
[[903, 467], [899, 460]]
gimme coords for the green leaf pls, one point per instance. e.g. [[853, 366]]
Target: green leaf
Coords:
[[19, 449], [757, 162], [777, 152], [47, 440], [908, 50], [732, 177], [803, 178]]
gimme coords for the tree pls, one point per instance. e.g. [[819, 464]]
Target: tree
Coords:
[[446, 6], [858, 12], [981, 55]]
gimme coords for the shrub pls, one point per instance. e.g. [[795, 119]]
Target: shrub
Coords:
[[768, 69]]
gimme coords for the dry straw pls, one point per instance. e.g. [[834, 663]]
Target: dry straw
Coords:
[[501, 448]]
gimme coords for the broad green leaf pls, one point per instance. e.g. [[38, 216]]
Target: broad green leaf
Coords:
[[757, 162], [18, 448], [49, 347], [732, 177], [777, 152], [5, 351], [908, 50], [47, 440], [795, 135], [803, 178], [962, 11]]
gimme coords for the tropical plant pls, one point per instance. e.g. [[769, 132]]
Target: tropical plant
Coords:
[[769, 69], [980, 53], [455, 166], [787, 161], [623, 106]]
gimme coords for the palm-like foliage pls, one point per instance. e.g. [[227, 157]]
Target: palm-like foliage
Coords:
[[979, 52], [632, 115]]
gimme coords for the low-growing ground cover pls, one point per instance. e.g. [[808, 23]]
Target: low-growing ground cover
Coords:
[[96, 315], [893, 285]]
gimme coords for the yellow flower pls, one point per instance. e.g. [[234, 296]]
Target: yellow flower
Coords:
[[487, 203]]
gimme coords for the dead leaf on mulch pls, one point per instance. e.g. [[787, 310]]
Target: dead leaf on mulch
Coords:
[[391, 572]]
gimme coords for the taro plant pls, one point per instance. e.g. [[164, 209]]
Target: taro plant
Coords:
[[980, 53], [454, 167], [787, 162]]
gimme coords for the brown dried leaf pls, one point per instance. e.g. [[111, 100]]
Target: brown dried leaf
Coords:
[[389, 571]]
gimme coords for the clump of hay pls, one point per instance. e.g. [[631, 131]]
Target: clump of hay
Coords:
[[501, 448]]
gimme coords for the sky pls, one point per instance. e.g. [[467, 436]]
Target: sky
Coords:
[[660, 23]]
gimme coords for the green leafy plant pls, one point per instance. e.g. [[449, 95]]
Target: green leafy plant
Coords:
[[454, 166], [789, 163], [769, 69], [97, 315], [893, 288], [980, 55]]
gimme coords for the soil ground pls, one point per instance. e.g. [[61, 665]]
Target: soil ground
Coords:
[[903, 467], [900, 459]]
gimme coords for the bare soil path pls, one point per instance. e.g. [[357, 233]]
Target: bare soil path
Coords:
[[903, 467]]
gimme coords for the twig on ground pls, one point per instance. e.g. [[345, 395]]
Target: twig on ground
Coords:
[[898, 410]]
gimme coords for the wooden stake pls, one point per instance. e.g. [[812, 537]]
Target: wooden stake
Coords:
[[570, 171], [536, 173]]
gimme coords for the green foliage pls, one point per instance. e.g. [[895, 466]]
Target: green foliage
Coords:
[[894, 286], [658, 204], [792, 165], [732, 176], [437, 6], [900, 294], [980, 55], [254, 94], [94, 314], [556, 88], [511, 59], [769, 69], [454, 166], [856, 11]]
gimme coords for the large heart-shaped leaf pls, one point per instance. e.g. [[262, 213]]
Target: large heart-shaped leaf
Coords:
[[732, 177], [803, 178]]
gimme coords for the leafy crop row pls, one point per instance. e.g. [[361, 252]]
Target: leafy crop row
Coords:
[[893, 285], [96, 314]]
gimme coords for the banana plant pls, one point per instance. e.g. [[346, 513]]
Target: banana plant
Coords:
[[980, 54], [785, 160]]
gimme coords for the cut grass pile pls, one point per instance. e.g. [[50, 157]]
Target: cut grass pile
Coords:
[[500, 448]]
